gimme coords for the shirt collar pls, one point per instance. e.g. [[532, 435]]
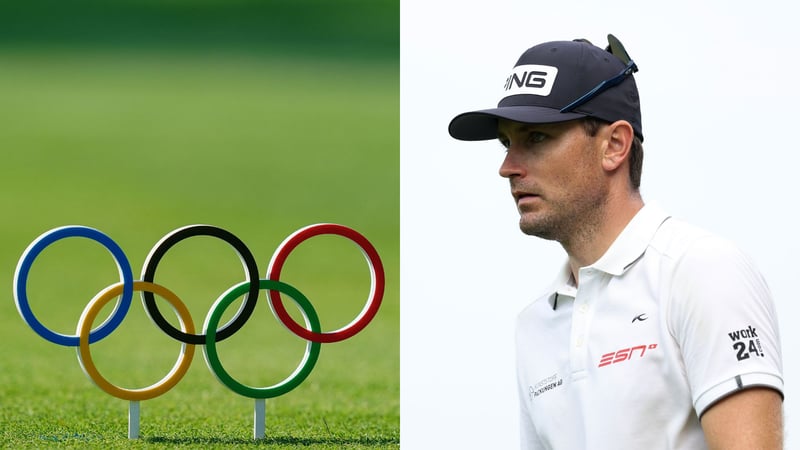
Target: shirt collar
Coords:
[[564, 286], [632, 242], [626, 249]]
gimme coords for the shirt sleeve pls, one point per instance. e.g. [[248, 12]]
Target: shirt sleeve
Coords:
[[723, 318]]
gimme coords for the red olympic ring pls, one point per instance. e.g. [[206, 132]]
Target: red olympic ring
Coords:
[[376, 290]]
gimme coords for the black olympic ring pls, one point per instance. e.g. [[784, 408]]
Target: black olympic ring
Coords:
[[248, 262]]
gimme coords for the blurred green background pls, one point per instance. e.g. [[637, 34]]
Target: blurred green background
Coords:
[[137, 117]]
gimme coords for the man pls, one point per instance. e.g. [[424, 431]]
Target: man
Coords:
[[656, 334]]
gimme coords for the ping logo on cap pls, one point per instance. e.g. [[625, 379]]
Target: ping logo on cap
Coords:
[[531, 79]]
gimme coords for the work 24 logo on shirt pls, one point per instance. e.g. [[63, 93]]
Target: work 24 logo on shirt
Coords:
[[746, 343]]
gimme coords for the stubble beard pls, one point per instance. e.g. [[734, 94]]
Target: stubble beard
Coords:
[[566, 221]]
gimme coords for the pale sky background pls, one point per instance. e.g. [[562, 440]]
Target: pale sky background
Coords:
[[719, 102]]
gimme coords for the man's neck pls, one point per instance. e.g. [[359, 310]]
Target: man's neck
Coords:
[[589, 245]]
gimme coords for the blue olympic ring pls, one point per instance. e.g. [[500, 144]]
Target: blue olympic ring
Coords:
[[24, 267]]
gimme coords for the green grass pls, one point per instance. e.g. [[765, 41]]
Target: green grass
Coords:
[[139, 143]]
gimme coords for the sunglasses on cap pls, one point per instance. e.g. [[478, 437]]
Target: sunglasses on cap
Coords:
[[615, 48]]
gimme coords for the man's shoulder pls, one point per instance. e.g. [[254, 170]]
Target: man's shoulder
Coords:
[[691, 255], [676, 238]]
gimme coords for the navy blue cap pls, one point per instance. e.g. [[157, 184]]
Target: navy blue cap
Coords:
[[549, 77]]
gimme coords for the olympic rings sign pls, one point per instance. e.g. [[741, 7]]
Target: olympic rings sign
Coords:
[[211, 331]]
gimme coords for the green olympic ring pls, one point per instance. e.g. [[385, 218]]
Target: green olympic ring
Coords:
[[212, 358]]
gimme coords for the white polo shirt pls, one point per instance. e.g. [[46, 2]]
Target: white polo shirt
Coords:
[[670, 320]]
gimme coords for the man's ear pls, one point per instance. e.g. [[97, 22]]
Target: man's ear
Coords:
[[619, 138]]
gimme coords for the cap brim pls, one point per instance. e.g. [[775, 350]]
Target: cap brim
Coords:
[[482, 125]]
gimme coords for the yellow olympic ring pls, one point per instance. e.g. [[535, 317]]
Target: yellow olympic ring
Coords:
[[85, 358]]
